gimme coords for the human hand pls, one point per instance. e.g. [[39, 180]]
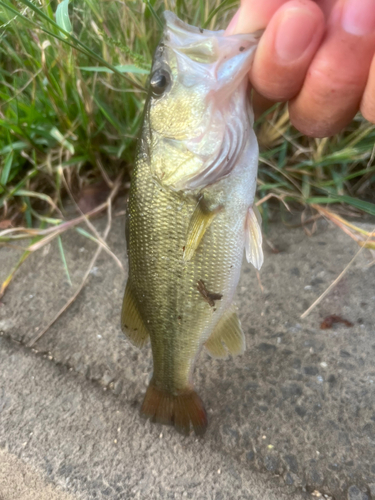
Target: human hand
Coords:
[[317, 55]]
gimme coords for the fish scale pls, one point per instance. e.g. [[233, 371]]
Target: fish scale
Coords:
[[185, 246]]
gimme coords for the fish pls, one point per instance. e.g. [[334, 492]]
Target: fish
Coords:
[[191, 214]]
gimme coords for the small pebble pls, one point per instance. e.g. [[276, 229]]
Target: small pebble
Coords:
[[354, 493]]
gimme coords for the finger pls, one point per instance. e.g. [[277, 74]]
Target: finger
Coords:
[[260, 104], [253, 15], [335, 82], [368, 100], [286, 49], [326, 6]]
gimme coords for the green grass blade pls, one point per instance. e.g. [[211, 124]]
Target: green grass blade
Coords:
[[34, 194], [56, 134], [121, 68], [77, 43], [365, 206], [6, 168], [154, 14], [62, 255], [224, 6], [62, 16]]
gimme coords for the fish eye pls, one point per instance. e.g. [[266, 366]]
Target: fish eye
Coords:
[[159, 82]]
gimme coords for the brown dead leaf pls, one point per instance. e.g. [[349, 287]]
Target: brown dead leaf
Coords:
[[5, 224], [329, 321], [92, 196]]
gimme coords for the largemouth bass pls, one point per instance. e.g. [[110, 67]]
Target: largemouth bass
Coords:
[[191, 213]]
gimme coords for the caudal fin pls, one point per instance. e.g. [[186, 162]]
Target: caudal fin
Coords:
[[184, 410]]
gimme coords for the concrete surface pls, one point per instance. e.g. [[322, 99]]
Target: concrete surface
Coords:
[[19, 481], [292, 418]]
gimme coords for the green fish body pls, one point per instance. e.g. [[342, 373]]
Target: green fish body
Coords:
[[190, 214]]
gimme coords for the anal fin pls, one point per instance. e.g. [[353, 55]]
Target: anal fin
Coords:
[[227, 336], [199, 223], [253, 238], [131, 322]]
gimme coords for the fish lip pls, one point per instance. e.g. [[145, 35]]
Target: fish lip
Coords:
[[180, 27], [173, 22], [218, 56]]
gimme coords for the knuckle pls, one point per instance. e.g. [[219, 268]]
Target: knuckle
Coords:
[[283, 85], [319, 120], [276, 90], [328, 82]]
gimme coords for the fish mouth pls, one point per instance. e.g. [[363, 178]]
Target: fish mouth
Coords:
[[179, 34], [210, 56], [174, 23], [214, 69]]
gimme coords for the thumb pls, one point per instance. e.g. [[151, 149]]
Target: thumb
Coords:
[[294, 30]]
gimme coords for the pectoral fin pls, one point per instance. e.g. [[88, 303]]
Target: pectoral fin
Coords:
[[199, 223], [229, 332], [131, 322], [253, 238]]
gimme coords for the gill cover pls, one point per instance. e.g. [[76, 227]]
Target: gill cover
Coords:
[[200, 119]]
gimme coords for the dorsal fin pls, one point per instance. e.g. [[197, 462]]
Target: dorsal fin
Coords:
[[227, 336], [131, 321]]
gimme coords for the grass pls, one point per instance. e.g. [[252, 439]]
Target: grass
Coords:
[[71, 100]]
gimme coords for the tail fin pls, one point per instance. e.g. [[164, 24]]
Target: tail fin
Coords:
[[183, 410]]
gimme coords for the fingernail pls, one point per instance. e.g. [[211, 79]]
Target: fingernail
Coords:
[[358, 17], [232, 24], [294, 35]]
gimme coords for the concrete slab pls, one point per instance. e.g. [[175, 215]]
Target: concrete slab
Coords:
[[90, 443], [19, 481], [298, 407]]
